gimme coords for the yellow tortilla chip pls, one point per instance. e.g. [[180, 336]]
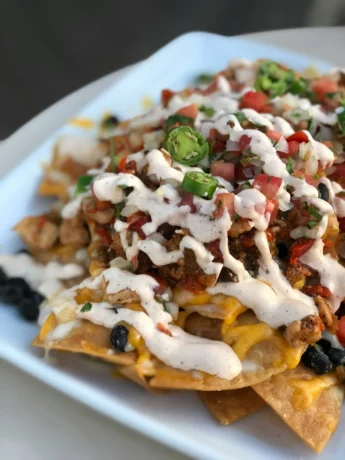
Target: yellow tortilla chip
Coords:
[[132, 373], [168, 377], [310, 405], [229, 406], [87, 338]]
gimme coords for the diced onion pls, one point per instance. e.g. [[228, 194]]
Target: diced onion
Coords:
[[128, 210], [120, 263]]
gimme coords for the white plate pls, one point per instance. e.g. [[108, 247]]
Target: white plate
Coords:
[[177, 419]]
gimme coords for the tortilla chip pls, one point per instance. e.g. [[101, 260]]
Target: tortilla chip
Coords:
[[168, 377], [312, 414], [132, 373], [88, 338], [229, 406]]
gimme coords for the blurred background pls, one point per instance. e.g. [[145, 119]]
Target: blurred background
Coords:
[[51, 48]]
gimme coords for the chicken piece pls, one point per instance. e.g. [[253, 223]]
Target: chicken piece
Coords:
[[101, 216], [123, 297], [72, 232], [325, 313], [37, 232], [301, 332]]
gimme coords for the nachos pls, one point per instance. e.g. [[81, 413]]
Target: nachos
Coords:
[[201, 246]]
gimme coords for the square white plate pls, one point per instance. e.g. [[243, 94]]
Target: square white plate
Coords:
[[177, 419]]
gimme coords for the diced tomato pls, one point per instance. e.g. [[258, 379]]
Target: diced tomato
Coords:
[[317, 290], [136, 222], [244, 141], [339, 172], [214, 248], [166, 95], [341, 330], [224, 201], [224, 170], [293, 147], [274, 135], [298, 136], [311, 180], [268, 185], [190, 111], [243, 172], [256, 100], [323, 86], [272, 207], [187, 200], [122, 165], [299, 248]]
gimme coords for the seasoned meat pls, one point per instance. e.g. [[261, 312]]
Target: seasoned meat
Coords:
[[116, 245], [300, 332], [296, 272], [37, 232], [239, 227], [73, 232], [173, 244]]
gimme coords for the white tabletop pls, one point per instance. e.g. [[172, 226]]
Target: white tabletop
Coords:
[[37, 422]]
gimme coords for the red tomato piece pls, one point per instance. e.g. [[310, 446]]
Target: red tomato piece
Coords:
[[224, 170], [272, 207], [256, 100], [268, 185], [299, 248], [341, 330], [323, 86], [224, 201], [298, 136], [136, 222], [122, 165], [244, 141], [166, 95], [190, 111], [273, 135]]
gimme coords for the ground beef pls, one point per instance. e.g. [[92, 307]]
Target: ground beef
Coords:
[[295, 272]]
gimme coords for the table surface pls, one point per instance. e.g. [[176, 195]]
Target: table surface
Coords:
[[37, 422]]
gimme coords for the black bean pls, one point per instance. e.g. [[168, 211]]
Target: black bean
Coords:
[[3, 277], [110, 121], [282, 250], [323, 191], [118, 337], [336, 355], [29, 307], [317, 360], [324, 344]]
